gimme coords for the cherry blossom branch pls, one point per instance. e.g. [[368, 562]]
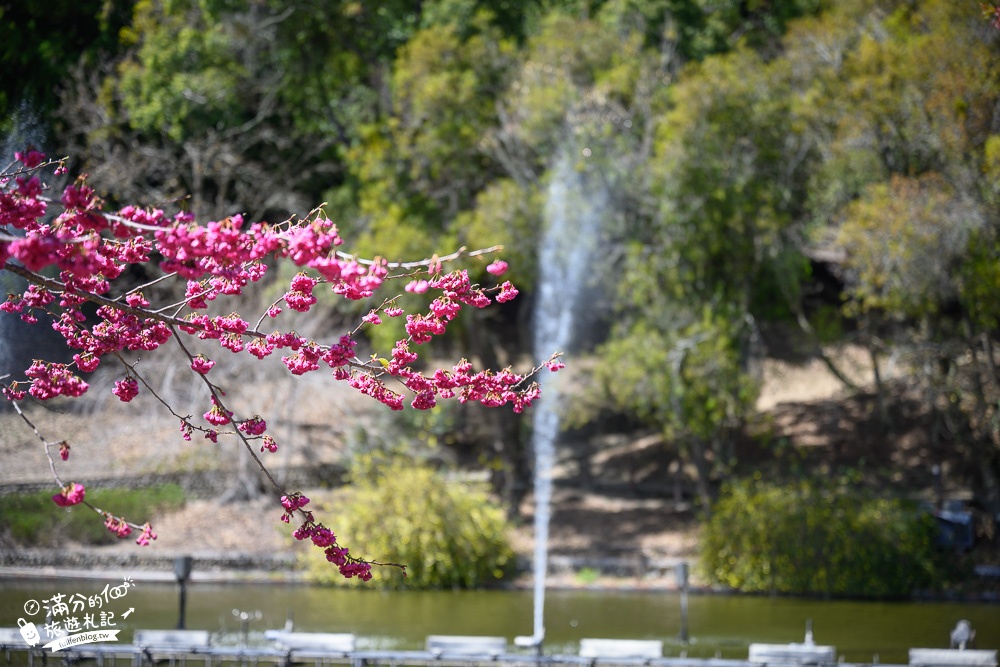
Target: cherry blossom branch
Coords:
[[45, 443], [185, 419], [74, 493], [216, 396], [90, 249], [58, 287], [429, 261]]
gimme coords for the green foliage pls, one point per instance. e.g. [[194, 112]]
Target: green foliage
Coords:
[[707, 27], [41, 41], [979, 280], [698, 29], [903, 239], [419, 168], [733, 170], [429, 429], [580, 76], [698, 388], [399, 511], [735, 138], [32, 519], [813, 537], [508, 15], [185, 75], [917, 145], [729, 170], [509, 214]]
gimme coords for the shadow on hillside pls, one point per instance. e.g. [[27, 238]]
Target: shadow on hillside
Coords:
[[893, 448], [614, 489], [890, 449]]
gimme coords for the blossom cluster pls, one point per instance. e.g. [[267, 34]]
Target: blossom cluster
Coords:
[[69, 495], [117, 526], [72, 252], [324, 538], [75, 494], [91, 249]]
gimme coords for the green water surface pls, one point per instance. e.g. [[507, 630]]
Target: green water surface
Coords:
[[719, 625]]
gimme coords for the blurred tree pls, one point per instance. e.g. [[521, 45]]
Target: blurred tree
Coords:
[[733, 138], [337, 61], [195, 106], [818, 537], [418, 172], [40, 41], [721, 254], [425, 164], [449, 535], [920, 234]]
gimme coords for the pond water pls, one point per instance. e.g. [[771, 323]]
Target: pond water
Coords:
[[718, 625]]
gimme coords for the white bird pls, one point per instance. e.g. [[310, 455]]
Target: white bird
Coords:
[[963, 635]]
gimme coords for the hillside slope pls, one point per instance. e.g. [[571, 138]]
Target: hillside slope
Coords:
[[621, 500]]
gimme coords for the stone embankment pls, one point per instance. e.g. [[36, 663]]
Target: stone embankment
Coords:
[[144, 565]]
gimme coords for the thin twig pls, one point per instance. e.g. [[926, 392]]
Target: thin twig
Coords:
[[423, 262], [48, 455], [55, 475], [149, 388], [54, 285], [217, 398]]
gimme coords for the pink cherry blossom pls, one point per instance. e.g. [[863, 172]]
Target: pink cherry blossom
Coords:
[[73, 253], [117, 526], [147, 535], [201, 365], [507, 292], [30, 158], [417, 286], [71, 494], [293, 501], [253, 426], [269, 444], [126, 389], [217, 416]]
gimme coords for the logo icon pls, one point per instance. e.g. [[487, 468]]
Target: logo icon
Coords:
[[28, 631]]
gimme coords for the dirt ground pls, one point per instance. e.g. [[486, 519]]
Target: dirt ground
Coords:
[[607, 513]]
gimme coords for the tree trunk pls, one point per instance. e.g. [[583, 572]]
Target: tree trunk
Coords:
[[510, 447], [883, 413], [807, 328], [697, 453], [246, 484], [507, 441]]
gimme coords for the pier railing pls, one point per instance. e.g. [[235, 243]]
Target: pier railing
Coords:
[[224, 656], [287, 649]]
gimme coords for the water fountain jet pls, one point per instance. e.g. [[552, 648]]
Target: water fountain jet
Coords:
[[573, 214]]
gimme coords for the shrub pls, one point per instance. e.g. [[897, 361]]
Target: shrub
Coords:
[[447, 535], [815, 538], [33, 520]]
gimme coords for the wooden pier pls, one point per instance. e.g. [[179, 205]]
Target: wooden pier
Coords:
[[285, 649]]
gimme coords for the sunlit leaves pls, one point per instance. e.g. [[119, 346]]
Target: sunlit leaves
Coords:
[[728, 173], [448, 535], [813, 537], [507, 214], [732, 174], [580, 76], [904, 239], [427, 160], [185, 74]]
